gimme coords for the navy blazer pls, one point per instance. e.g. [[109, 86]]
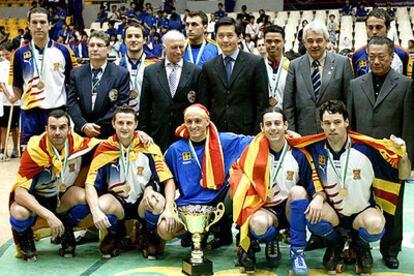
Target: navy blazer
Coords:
[[80, 96]]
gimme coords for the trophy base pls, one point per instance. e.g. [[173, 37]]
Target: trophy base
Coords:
[[193, 269]]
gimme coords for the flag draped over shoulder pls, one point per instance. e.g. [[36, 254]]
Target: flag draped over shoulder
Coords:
[[249, 184], [109, 150], [213, 174], [386, 190], [39, 155]]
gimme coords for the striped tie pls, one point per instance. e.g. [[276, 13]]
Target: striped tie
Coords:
[[316, 78], [172, 79]]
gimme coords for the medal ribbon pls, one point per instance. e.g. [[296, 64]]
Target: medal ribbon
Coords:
[[276, 82], [330, 158], [194, 154], [200, 53], [134, 79], [35, 58], [65, 161], [279, 165], [124, 159]]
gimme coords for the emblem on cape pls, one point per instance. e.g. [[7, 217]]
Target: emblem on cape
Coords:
[[191, 96], [133, 94], [113, 95]]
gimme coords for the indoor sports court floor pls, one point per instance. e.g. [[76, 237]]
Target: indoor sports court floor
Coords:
[[89, 262]]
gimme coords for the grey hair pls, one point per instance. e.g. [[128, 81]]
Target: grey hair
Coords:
[[172, 35], [101, 35], [316, 26]]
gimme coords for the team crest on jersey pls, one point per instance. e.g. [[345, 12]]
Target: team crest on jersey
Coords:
[[362, 63], [72, 167], [140, 170], [289, 175], [322, 160], [27, 55], [186, 156], [56, 66], [357, 174]]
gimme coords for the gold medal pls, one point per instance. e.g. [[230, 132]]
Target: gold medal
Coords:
[[343, 192], [40, 84], [272, 101], [133, 94], [62, 188]]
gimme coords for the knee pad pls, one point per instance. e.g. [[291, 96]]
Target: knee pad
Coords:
[[269, 236], [22, 225], [76, 214], [367, 237], [322, 229], [151, 220], [113, 220]]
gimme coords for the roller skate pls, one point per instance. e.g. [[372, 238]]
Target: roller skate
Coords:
[[333, 259], [154, 246], [272, 252], [364, 260], [26, 245], [247, 260], [109, 246], [299, 266], [68, 243]]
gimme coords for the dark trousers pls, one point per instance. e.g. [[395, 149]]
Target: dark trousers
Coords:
[[390, 244]]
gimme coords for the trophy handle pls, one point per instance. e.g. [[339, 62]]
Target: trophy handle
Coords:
[[177, 216], [218, 214]]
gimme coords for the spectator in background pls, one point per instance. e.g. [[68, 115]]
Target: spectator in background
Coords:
[[123, 12], [346, 8], [121, 26], [175, 21], [102, 15], [229, 5], [77, 8], [411, 48], [156, 46], [391, 12], [3, 35], [132, 11], [168, 6], [149, 20], [260, 49], [114, 46], [211, 26], [18, 40], [163, 20], [243, 17], [302, 49], [333, 29], [252, 28], [83, 46], [113, 15], [111, 29], [361, 13], [220, 12]]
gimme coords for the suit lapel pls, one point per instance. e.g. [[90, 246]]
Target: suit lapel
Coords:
[[163, 80], [86, 93], [238, 66], [368, 88], [327, 73], [185, 75], [306, 75], [389, 83]]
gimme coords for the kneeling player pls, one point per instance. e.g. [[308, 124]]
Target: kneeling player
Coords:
[[269, 185], [125, 173], [353, 168], [49, 167]]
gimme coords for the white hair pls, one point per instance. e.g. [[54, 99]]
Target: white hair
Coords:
[[172, 35], [316, 26]]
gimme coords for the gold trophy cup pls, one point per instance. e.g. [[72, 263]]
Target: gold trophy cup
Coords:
[[195, 219]]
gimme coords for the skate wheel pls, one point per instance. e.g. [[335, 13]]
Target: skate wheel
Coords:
[[68, 255], [340, 268], [31, 259], [331, 272], [106, 256], [150, 257]]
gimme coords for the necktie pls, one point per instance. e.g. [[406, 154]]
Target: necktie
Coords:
[[172, 79], [95, 79], [316, 78], [229, 69]]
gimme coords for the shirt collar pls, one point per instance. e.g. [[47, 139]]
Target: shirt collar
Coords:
[[234, 55], [103, 67], [180, 63], [321, 60]]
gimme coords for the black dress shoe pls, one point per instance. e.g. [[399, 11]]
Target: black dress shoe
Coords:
[[391, 262], [315, 242]]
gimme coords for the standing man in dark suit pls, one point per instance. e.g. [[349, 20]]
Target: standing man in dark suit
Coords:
[[233, 85], [314, 78], [96, 90], [381, 103], [168, 88]]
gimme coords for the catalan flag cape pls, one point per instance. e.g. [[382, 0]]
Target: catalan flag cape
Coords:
[[39, 155], [109, 150], [213, 172], [386, 190]]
